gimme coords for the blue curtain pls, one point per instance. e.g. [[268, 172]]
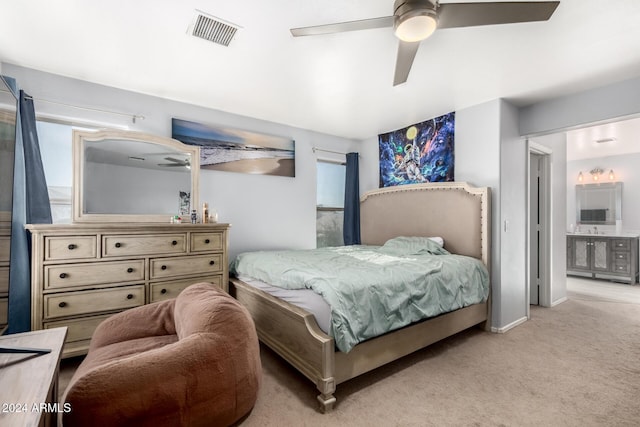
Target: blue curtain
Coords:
[[30, 206], [351, 226]]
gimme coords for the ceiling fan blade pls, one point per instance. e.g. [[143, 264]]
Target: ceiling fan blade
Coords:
[[453, 15], [364, 24], [406, 53]]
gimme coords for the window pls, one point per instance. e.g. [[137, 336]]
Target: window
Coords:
[[55, 150], [330, 204]]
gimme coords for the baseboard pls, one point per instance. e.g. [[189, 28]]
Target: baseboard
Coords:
[[511, 325], [560, 301]]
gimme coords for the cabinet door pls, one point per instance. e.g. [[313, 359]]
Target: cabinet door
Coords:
[[580, 259], [600, 254]]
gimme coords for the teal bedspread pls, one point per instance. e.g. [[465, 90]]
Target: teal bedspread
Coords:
[[374, 289]]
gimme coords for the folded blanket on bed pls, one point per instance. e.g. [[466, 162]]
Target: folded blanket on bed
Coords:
[[374, 289]]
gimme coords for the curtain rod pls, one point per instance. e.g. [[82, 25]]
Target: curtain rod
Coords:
[[329, 151], [134, 117]]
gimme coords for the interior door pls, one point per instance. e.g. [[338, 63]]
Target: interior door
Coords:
[[534, 232]]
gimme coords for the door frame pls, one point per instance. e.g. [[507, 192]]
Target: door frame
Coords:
[[545, 207]]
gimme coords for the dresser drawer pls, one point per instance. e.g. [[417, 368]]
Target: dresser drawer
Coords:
[[95, 301], [165, 290], [4, 309], [70, 247], [621, 244], [179, 266], [125, 245], [64, 276], [4, 280], [201, 242], [78, 329], [5, 244]]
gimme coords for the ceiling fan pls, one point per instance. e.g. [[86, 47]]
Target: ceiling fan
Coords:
[[176, 163], [415, 20]]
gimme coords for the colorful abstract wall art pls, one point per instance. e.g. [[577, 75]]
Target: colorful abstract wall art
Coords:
[[422, 152], [235, 150]]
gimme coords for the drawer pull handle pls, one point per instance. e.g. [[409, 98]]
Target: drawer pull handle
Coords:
[[163, 291], [62, 304], [164, 267], [129, 270], [211, 262], [130, 296], [207, 241], [71, 247], [118, 244], [63, 275], [175, 242]]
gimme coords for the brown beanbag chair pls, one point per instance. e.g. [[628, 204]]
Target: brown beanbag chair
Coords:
[[189, 361]]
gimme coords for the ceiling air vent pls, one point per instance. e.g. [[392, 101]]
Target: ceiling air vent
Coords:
[[213, 29]]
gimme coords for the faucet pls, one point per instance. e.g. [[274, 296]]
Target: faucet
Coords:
[[595, 229]]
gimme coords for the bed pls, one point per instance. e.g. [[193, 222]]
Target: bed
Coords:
[[457, 212]]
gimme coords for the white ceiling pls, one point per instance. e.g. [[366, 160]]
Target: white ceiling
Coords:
[[339, 84], [612, 139]]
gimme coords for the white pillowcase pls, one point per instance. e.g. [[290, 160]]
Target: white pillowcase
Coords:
[[438, 240]]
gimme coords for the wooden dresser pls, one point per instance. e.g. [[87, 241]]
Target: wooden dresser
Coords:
[[83, 273]]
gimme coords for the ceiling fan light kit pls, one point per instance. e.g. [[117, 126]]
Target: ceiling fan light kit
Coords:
[[414, 21]]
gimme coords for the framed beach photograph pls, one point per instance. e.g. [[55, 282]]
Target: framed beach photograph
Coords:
[[235, 150]]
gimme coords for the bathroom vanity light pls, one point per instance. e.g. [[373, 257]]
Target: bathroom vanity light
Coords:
[[595, 175]]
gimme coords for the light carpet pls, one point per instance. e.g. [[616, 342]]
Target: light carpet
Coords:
[[577, 364]]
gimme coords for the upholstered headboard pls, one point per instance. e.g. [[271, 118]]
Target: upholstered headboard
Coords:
[[455, 211]]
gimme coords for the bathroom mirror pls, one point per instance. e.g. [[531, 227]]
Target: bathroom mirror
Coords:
[[599, 203], [122, 176]]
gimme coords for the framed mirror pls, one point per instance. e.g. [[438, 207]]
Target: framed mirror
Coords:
[[123, 176], [599, 203]]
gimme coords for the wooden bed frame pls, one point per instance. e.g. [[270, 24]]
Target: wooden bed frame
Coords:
[[455, 211]]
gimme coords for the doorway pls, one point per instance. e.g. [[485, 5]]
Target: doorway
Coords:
[[539, 230]]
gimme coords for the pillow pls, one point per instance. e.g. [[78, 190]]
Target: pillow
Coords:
[[414, 246], [438, 240]]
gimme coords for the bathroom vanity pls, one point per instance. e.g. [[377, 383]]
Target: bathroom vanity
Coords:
[[603, 256]]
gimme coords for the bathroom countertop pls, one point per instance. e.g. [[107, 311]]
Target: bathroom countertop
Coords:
[[602, 234]]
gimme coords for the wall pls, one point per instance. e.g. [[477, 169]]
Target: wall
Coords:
[[477, 161], [593, 106], [265, 211], [625, 168], [513, 219]]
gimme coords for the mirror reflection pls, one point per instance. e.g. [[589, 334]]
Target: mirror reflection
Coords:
[[599, 203], [143, 178]]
